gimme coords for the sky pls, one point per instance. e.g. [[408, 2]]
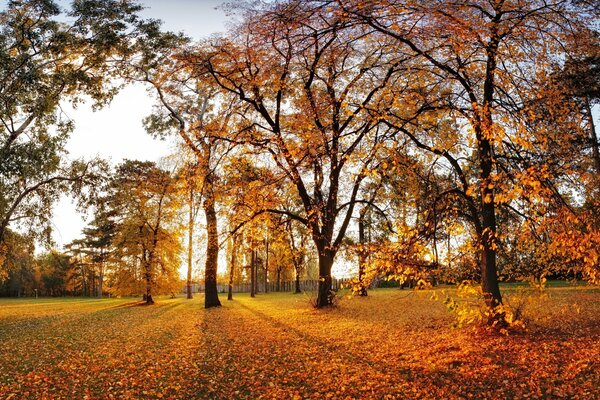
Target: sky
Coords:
[[116, 132]]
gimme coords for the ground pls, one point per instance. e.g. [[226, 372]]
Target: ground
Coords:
[[392, 344]]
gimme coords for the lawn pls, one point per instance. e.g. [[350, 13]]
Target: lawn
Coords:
[[392, 344]]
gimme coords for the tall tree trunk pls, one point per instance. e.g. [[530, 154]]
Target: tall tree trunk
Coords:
[[256, 284], [266, 265], [211, 296], [489, 273], [190, 245], [362, 253], [325, 292], [232, 268], [484, 130], [252, 274], [101, 273]]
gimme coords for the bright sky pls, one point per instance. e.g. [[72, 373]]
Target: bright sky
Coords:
[[116, 132]]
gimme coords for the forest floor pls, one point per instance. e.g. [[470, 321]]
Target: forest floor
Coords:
[[391, 344]]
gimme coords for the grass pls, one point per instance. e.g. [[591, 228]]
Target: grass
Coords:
[[392, 344]]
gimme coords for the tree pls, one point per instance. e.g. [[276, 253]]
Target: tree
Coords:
[[147, 229], [188, 106], [55, 268], [43, 62], [232, 264], [579, 78], [306, 80], [98, 239], [190, 190], [17, 267], [297, 247], [478, 70]]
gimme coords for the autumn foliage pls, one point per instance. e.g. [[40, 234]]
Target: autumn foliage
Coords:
[[392, 344], [445, 147]]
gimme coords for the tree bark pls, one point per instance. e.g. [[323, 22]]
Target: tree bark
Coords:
[[487, 237], [211, 296], [252, 274], [279, 279], [267, 265], [190, 244], [362, 253], [148, 295], [325, 292], [489, 273], [232, 268], [484, 134], [256, 284], [297, 290], [101, 276]]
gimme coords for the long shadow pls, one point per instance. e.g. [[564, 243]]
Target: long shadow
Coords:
[[328, 346], [452, 370], [136, 303]]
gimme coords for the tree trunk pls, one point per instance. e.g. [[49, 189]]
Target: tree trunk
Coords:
[[252, 274], [100, 278], [362, 254], [190, 245], [256, 284], [325, 293], [484, 131], [93, 283], [148, 295], [297, 290], [211, 296], [232, 268], [267, 265], [489, 273], [279, 279]]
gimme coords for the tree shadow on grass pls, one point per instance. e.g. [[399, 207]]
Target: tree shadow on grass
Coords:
[[463, 363]]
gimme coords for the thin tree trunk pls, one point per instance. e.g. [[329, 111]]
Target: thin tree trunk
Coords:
[[101, 273], [190, 245], [362, 253], [267, 265], [252, 274], [211, 296], [232, 268], [296, 259], [100, 280], [256, 284]]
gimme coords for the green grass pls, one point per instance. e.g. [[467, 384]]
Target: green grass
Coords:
[[394, 343]]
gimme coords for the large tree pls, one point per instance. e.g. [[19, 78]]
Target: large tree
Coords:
[[478, 70], [306, 80], [42, 62]]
